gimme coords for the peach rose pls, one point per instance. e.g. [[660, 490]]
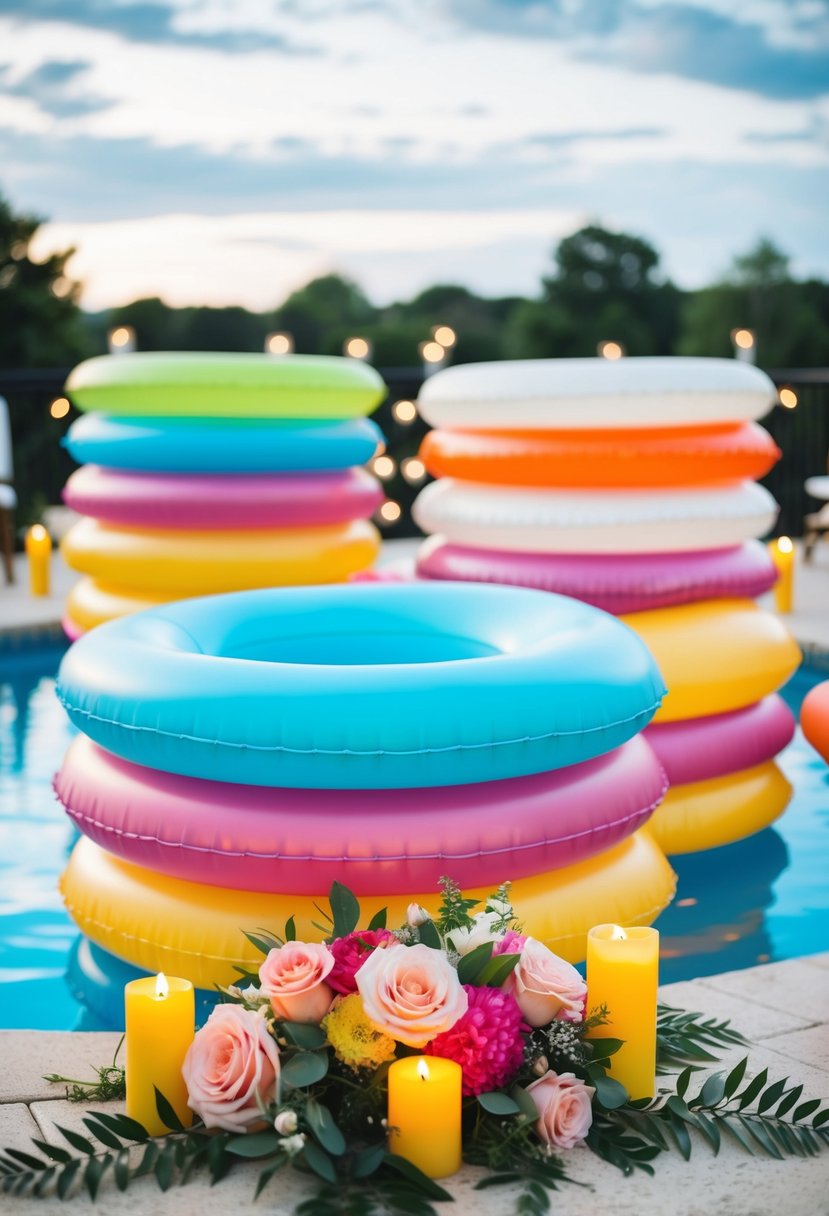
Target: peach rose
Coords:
[[411, 993], [546, 987], [565, 1110], [293, 978], [231, 1066]]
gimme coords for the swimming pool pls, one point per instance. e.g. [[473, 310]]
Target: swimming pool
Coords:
[[763, 899]]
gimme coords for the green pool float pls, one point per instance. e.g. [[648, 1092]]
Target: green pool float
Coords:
[[184, 384]]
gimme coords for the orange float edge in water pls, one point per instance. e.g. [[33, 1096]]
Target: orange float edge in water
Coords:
[[814, 718]]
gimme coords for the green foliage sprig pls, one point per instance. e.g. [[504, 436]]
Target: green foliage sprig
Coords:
[[111, 1083]]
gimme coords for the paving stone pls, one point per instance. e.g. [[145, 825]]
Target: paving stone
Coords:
[[28, 1054], [16, 1127], [791, 987], [753, 1020], [817, 960], [809, 1046], [67, 1114]]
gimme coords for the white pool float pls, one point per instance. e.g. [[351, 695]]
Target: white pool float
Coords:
[[537, 394], [594, 521]]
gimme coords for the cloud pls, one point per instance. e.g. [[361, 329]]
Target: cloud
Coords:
[[148, 21], [685, 40], [555, 139], [50, 87]]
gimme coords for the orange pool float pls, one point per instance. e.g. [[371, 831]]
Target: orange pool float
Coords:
[[658, 456], [814, 718]]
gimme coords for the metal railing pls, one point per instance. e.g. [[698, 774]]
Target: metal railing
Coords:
[[42, 465]]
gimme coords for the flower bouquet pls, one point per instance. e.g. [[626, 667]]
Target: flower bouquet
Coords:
[[292, 1069]]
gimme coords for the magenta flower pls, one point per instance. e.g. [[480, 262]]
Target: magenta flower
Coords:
[[486, 1041], [510, 943], [350, 952]]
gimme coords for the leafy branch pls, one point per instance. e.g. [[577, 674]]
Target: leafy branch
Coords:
[[683, 1038], [765, 1119]]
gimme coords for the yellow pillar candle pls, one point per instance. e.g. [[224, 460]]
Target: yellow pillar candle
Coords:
[[623, 974], [160, 1022], [39, 553], [425, 1113], [782, 554]]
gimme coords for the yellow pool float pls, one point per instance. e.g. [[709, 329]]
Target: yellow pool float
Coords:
[[715, 655], [707, 814], [197, 932], [172, 564]]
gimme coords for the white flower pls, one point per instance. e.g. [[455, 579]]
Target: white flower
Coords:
[[286, 1122], [416, 916], [293, 1144], [485, 928]]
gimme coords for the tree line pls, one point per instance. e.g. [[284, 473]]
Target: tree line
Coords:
[[602, 285]]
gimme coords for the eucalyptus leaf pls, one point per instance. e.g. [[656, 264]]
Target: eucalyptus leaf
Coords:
[[254, 1144], [319, 1161], [305, 1068], [166, 1113], [498, 1103], [497, 970], [322, 1124], [610, 1093], [304, 1034]]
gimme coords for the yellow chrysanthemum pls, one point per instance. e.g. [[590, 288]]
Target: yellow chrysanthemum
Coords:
[[356, 1042]]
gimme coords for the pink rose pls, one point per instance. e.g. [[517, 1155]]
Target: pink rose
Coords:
[[350, 952], [231, 1066], [545, 987], [293, 977], [565, 1109], [411, 993]]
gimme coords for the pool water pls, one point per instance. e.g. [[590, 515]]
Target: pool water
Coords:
[[762, 899]]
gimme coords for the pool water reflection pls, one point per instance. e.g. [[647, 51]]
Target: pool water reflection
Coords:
[[762, 899]]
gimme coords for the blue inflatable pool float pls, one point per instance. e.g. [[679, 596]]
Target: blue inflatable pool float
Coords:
[[376, 686], [221, 445]]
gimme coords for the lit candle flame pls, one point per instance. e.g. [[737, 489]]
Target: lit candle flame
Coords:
[[618, 934], [162, 988], [785, 545], [423, 1070]]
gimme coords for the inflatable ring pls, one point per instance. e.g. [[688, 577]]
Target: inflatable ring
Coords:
[[632, 459], [701, 748], [716, 656], [630, 582], [210, 385], [580, 394], [90, 603], [423, 684], [300, 841], [97, 979], [814, 718], [203, 501], [707, 814], [221, 445], [185, 929], [594, 521], [204, 563]]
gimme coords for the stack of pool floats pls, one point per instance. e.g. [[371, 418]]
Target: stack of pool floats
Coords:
[[240, 752], [631, 485], [217, 472]]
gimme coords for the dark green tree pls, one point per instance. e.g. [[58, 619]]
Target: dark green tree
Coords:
[[790, 319], [323, 314], [605, 286], [40, 321]]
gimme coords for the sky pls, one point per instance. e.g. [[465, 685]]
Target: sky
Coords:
[[227, 151]]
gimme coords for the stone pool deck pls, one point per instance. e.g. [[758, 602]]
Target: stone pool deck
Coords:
[[782, 1007]]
